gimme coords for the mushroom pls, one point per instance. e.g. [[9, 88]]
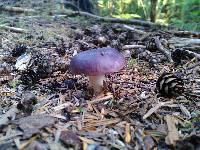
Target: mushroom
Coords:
[[95, 63]]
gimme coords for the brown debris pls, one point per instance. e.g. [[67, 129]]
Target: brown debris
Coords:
[[31, 124], [155, 108], [27, 103], [173, 134], [127, 133], [70, 138], [13, 29], [149, 142], [58, 111], [9, 114]]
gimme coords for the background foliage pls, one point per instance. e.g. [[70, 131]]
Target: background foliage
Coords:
[[179, 13]]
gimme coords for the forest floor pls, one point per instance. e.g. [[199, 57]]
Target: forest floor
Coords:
[[44, 106]]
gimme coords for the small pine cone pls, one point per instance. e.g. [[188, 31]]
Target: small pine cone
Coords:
[[170, 85], [151, 45], [19, 50], [179, 55], [29, 77]]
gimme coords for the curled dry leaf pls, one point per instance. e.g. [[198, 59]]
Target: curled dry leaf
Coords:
[[35, 145], [173, 134], [31, 124], [127, 133]]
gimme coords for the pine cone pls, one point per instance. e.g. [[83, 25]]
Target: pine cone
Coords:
[[19, 50], [170, 85], [179, 55], [151, 45]]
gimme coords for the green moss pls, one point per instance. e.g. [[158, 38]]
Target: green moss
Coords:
[[189, 125], [14, 83], [131, 63]]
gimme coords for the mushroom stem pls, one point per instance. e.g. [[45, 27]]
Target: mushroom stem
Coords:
[[96, 82]]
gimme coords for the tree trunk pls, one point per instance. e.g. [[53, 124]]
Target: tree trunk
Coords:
[[153, 10]]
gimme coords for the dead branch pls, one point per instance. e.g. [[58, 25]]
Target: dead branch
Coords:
[[193, 53], [16, 9], [111, 20], [186, 33], [132, 29], [125, 47], [194, 48], [162, 49], [183, 42], [13, 29]]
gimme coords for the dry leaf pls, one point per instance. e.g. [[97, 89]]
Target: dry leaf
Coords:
[[127, 133], [31, 124], [173, 134], [10, 113], [31, 140], [86, 140]]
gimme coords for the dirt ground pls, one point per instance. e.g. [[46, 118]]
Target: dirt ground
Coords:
[[44, 106]]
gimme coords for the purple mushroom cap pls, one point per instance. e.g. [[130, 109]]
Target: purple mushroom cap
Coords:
[[98, 61]]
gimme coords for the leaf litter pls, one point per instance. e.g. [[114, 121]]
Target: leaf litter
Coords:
[[31, 124], [54, 109]]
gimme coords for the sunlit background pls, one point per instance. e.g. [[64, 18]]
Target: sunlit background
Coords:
[[179, 13]]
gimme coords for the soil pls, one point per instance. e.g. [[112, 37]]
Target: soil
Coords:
[[44, 106]]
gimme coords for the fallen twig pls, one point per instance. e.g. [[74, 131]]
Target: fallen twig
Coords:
[[185, 111], [155, 108], [127, 133], [195, 54], [132, 29], [186, 33], [132, 46], [18, 30], [103, 122], [16, 9], [62, 106], [184, 42], [111, 20], [22, 146], [97, 100]]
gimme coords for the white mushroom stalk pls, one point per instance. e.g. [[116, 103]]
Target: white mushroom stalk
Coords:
[[96, 82]]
